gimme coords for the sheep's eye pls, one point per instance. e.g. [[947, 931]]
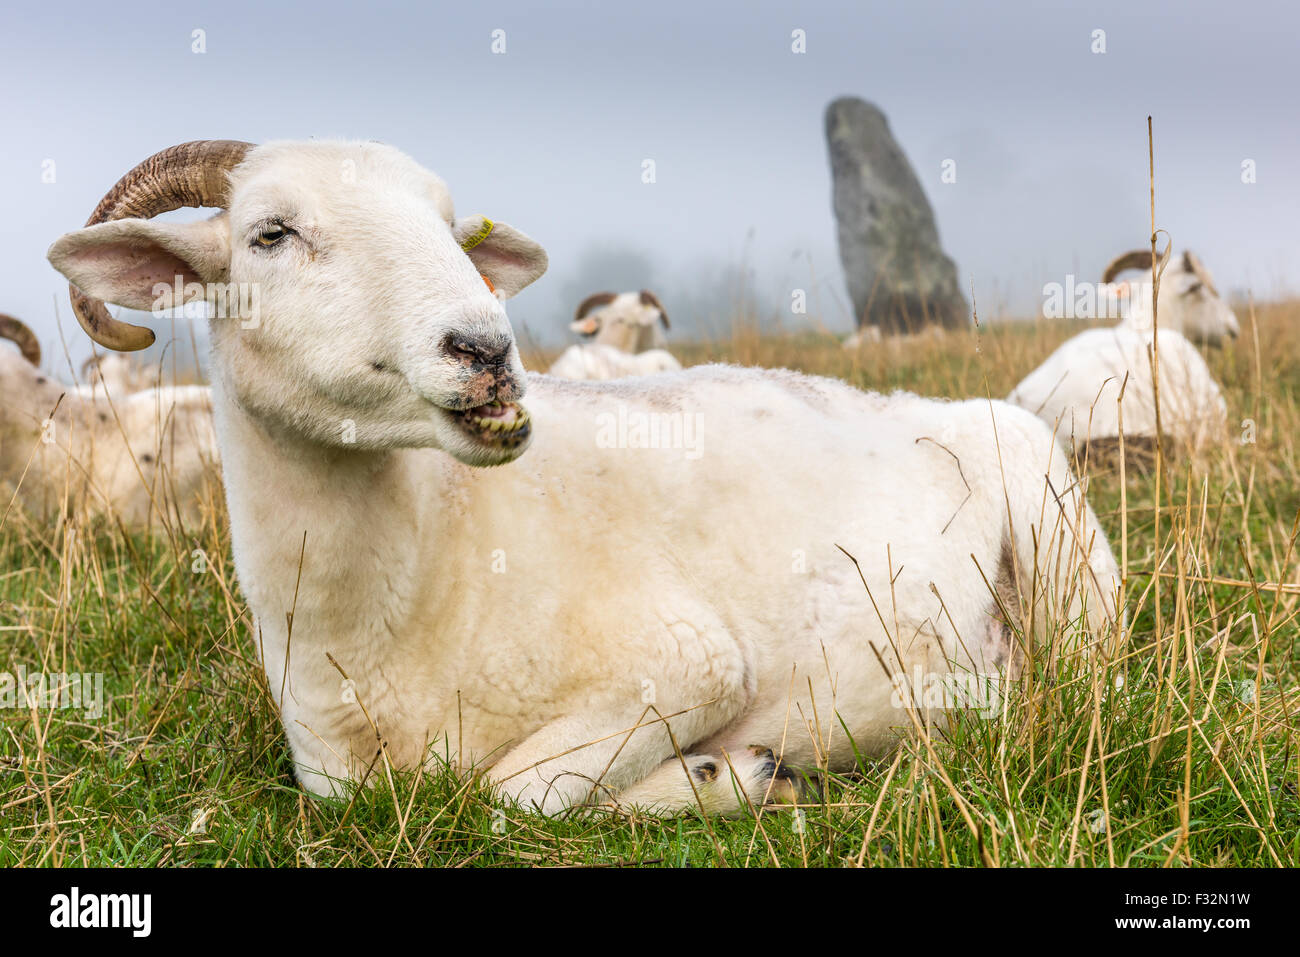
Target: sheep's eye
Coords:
[[1193, 288], [271, 235]]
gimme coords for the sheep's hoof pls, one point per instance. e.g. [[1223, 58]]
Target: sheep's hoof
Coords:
[[705, 772], [785, 787]]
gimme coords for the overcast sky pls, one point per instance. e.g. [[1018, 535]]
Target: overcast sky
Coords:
[[1049, 138]]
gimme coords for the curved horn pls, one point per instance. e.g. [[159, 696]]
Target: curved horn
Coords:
[[594, 301], [1137, 259], [650, 299], [16, 331], [191, 174]]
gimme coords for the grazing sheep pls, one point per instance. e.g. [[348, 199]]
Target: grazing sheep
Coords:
[[1079, 384], [129, 455], [1187, 302], [650, 554], [624, 336]]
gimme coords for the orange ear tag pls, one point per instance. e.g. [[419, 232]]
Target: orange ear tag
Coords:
[[491, 288]]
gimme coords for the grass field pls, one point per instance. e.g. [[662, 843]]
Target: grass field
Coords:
[[1193, 761]]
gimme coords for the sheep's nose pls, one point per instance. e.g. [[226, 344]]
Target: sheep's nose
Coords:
[[477, 351]]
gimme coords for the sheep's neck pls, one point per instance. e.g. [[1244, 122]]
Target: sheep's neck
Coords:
[[308, 528]]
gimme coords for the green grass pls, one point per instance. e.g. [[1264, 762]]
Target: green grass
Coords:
[[1193, 761]]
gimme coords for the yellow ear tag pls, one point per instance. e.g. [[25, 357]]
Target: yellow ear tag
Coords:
[[482, 233]]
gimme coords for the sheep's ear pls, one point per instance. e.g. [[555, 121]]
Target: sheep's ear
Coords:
[[123, 261], [509, 259]]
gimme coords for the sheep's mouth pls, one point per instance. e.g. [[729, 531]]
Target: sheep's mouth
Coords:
[[505, 425]]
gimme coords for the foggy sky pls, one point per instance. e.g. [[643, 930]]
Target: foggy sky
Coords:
[[1049, 138]]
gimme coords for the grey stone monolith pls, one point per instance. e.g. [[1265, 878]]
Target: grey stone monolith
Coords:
[[900, 280]]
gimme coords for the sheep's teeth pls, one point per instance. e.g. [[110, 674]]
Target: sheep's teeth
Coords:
[[505, 429]]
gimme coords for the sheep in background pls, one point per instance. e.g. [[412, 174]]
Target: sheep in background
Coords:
[[169, 457], [29, 347], [27, 397], [594, 361], [623, 336], [1079, 384], [726, 613], [128, 455], [117, 375], [628, 321], [1188, 301], [871, 338], [867, 335], [1076, 388]]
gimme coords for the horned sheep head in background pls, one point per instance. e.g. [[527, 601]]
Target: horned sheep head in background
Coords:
[[1188, 301], [630, 321]]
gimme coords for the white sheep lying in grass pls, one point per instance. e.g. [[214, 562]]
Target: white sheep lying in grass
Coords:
[[869, 340], [1187, 302], [1079, 386], [134, 457], [624, 336], [594, 361], [163, 456], [628, 321], [651, 554]]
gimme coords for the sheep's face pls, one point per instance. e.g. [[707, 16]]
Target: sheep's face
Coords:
[[361, 319], [372, 314], [38, 420], [27, 397], [1196, 309], [1189, 304], [631, 321]]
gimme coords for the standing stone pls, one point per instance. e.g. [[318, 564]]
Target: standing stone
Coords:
[[899, 278]]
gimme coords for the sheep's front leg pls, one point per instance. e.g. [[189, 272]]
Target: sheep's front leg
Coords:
[[625, 773], [684, 677], [581, 759], [726, 784], [594, 757]]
